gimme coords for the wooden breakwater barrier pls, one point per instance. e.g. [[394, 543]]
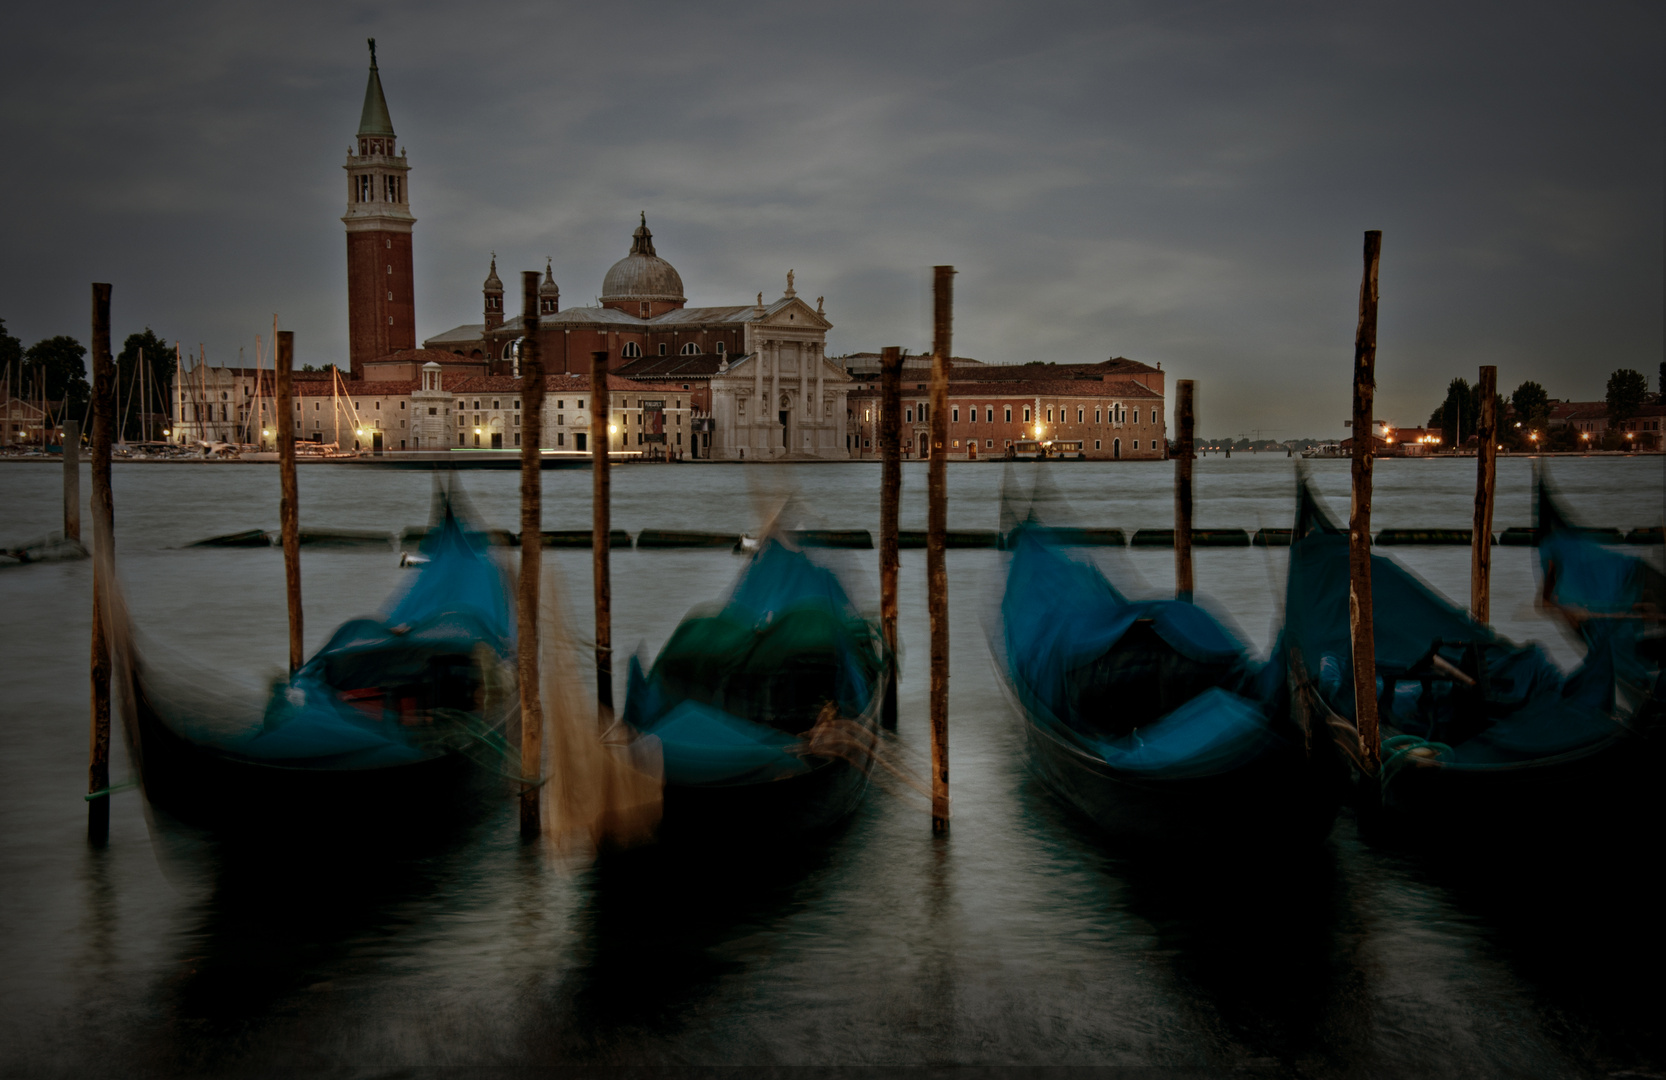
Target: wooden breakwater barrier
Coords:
[[952, 538], [1164, 538], [856, 539], [412, 537], [1523, 536], [1069, 536], [859, 539], [1454, 537], [686, 538], [580, 538], [246, 538]]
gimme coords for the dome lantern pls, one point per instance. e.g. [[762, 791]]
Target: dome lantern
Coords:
[[642, 277]]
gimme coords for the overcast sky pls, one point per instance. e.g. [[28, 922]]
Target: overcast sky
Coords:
[[1177, 183]]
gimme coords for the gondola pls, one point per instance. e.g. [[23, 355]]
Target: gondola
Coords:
[[1149, 716], [1482, 737], [765, 707], [392, 717]]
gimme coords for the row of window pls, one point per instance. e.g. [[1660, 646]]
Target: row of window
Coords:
[[632, 350], [317, 425], [989, 444], [1115, 414]]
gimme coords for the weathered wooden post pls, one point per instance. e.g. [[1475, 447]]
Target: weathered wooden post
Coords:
[[1184, 585], [532, 557], [602, 525], [289, 517], [104, 552], [890, 502], [1360, 626], [72, 479], [1486, 461], [937, 520]]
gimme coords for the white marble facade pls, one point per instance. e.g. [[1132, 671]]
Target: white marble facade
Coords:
[[784, 399]]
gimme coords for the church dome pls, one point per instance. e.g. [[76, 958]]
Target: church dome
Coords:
[[493, 282], [642, 275]]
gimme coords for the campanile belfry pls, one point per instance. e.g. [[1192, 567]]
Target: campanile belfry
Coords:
[[381, 311]]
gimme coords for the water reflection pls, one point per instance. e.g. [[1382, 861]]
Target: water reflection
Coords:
[[1022, 940]]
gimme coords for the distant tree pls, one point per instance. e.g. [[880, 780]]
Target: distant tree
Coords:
[[1531, 405], [154, 381], [11, 351], [1456, 416], [61, 364], [1626, 390]]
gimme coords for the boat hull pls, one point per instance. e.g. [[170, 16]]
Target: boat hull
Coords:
[[1608, 788], [1281, 798], [806, 803], [205, 788]]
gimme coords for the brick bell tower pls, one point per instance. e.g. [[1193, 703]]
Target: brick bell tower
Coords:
[[381, 306]]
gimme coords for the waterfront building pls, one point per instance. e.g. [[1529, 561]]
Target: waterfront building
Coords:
[[1590, 423], [24, 421], [1111, 411], [446, 410], [220, 404]]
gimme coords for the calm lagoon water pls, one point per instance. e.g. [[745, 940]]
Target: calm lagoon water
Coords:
[[1021, 939]]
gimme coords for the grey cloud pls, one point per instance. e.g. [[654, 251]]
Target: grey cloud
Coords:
[[1184, 184]]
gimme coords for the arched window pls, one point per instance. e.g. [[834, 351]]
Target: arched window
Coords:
[[691, 349], [721, 348], [631, 350]]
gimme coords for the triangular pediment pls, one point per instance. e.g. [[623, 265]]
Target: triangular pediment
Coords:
[[790, 311]]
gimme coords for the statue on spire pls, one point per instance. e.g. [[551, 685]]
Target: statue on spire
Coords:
[[790, 290], [372, 42]]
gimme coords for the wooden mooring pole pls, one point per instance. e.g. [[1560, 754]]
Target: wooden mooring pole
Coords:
[[72, 479], [1184, 584], [602, 524], [532, 557], [104, 551], [1486, 461], [289, 515], [937, 520], [890, 502], [1360, 626]]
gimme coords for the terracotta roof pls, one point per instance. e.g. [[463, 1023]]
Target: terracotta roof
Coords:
[[471, 384], [1597, 410], [358, 387], [1020, 388], [1116, 365], [423, 356], [696, 366]]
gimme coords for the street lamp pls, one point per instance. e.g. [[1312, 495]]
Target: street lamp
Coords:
[[613, 429]]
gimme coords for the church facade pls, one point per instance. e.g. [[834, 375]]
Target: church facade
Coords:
[[758, 374]]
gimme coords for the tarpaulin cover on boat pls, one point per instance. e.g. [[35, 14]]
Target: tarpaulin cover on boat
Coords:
[[732, 693], [1156, 688], [368, 698], [1520, 706]]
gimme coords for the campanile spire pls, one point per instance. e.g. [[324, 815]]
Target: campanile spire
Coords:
[[381, 312]]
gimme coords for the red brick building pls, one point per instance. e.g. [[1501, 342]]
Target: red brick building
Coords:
[[1107, 411]]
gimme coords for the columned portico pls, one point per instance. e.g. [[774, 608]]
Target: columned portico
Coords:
[[782, 400]]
